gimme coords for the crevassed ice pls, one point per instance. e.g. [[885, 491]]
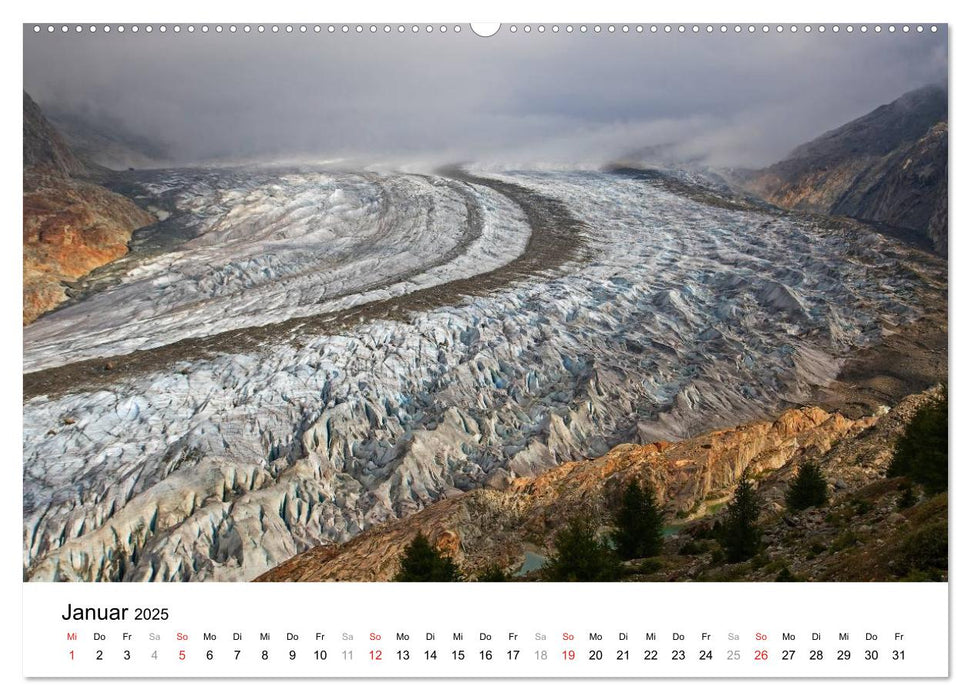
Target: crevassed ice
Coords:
[[686, 317], [273, 247]]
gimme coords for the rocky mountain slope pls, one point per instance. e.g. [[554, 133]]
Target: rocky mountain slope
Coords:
[[71, 224], [888, 166], [513, 524], [44, 148]]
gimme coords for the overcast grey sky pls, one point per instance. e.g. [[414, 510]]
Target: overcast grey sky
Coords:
[[732, 99]]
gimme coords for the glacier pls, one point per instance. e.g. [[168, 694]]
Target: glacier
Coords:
[[673, 315]]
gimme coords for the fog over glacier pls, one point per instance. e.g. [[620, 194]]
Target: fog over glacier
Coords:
[[734, 99]]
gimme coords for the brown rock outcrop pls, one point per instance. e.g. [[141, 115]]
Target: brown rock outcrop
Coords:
[[71, 225]]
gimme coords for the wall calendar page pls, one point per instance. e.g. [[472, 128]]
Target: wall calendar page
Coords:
[[451, 350]]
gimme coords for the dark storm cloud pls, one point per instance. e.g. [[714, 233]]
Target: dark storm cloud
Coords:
[[731, 99]]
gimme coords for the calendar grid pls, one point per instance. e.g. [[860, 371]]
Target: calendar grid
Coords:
[[526, 630]]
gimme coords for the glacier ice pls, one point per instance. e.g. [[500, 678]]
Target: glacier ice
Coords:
[[682, 316]]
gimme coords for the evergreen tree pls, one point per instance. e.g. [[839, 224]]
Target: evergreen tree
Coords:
[[808, 489], [581, 556], [422, 562], [921, 452], [740, 536], [639, 526]]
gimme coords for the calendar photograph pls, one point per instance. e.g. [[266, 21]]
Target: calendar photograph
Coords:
[[519, 303]]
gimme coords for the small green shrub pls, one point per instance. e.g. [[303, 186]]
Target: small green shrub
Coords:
[[907, 498], [492, 574], [691, 548], [844, 540], [924, 550]]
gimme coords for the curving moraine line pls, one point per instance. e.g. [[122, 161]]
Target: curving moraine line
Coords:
[[556, 239]]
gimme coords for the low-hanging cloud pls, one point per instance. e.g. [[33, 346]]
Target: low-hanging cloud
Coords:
[[742, 100]]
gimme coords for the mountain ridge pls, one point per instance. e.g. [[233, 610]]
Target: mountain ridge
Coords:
[[888, 166]]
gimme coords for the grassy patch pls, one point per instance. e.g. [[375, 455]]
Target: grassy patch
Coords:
[[844, 540]]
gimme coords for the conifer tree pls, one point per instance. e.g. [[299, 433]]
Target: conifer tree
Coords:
[[808, 489], [639, 525], [422, 562], [921, 452], [580, 556], [740, 535]]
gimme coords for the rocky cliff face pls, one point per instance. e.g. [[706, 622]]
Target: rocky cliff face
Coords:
[[71, 225], [889, 166], [505, 525]]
